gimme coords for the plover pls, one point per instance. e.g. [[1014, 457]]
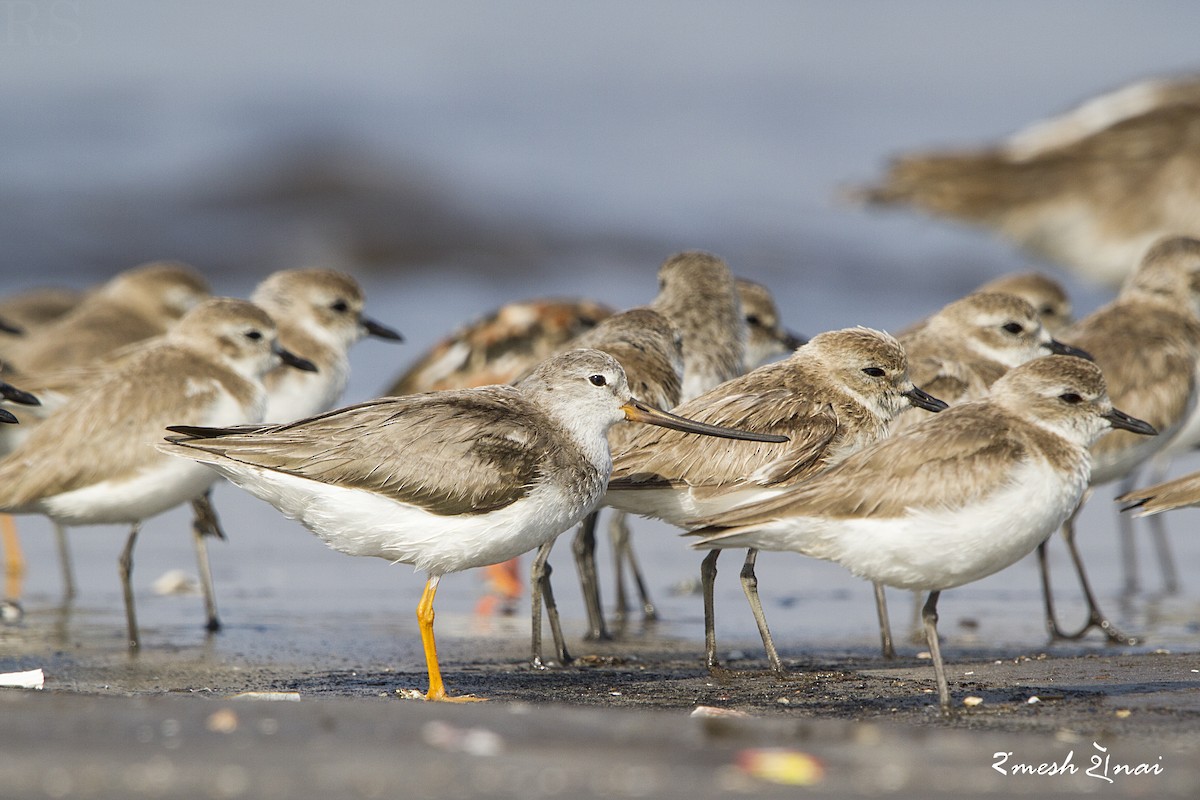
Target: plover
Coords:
[[1042, 292], [65, 330], [767, 338], [319, 315], [958, 353], [1147, 341], [961, 495], [136, 304], [94, 461], [834, 395], [29, 311], [14, 560]]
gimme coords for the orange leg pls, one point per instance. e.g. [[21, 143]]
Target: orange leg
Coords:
[[437, 689], [14, 561]]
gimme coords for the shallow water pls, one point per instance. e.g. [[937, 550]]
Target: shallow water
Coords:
[[455, 157]]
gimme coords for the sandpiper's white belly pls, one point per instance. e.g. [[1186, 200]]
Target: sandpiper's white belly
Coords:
[[933, 549], [362, 523], [164, 483], [161, 483], [680, 507]]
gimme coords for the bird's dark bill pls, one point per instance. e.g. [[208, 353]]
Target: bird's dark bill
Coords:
[[923, 399], [1063, 349], [1120, 419]]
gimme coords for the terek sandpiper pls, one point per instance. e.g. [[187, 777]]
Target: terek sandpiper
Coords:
[[444, 481]]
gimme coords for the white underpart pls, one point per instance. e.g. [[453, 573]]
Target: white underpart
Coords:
[[162, 483], [934, 549], [680, 506], [295, 393], [362, 523]]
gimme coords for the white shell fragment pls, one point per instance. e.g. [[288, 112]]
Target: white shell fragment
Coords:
[[32, 679], [270, 696]]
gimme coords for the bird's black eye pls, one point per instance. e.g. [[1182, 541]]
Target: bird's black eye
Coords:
[[254, 336], [1070, 398], [1013, 327], [598, 380], [752, 319], [340, 306], [874, 372]]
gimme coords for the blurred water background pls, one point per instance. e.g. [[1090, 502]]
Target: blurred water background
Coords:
[[457, 155]]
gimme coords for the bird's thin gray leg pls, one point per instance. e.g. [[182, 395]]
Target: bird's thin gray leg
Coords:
[[708, 577], [584, 547], [929, 616], [1131, 579], [1162, 550], [125, 570], [1095, 618], [885, 624], [750, 587], [622, 542], [205, 523], [65, 562], [1158, 532], [539, 576]]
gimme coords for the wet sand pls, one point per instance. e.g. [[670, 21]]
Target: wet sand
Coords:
[[621, 722]]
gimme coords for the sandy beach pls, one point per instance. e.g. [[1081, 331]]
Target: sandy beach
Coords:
[[634, 718]]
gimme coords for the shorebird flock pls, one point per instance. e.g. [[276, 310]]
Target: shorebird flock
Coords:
[[921, 461]]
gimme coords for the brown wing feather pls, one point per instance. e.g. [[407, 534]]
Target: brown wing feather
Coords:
[[660, 457], [453, 452], [945, 462]]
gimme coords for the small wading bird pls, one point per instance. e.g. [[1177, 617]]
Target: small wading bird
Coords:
[[445, 481], [93, 462], [1092, 189], [957, 497]]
